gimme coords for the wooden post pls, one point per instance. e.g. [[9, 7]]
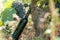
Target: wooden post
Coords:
[[54, 18]]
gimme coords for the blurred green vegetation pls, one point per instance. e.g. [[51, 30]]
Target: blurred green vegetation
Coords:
[[6, 14]]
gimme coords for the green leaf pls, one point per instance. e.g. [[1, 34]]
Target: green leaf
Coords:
[[57, 38], [7, 14]]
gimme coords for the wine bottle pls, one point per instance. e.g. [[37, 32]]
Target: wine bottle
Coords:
[[21, 26]]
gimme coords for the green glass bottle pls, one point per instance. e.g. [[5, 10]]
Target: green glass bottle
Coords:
[[20, 28], [21, 24]]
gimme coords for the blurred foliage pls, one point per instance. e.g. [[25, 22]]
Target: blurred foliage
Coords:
[[26, 1], [7, 30], [8, 11], [39, 38], [1, 22], [57, 38], [8, 4], [7, 14], [57, 1]]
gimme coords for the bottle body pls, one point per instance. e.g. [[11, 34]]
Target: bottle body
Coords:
[[20, 28]]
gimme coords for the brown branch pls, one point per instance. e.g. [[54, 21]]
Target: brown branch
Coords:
[[54, 17]]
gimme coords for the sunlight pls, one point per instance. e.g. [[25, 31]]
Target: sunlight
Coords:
[[48, 31]]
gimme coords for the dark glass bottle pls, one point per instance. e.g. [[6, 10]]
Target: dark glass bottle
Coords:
[[21, 25], [20, 28]]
